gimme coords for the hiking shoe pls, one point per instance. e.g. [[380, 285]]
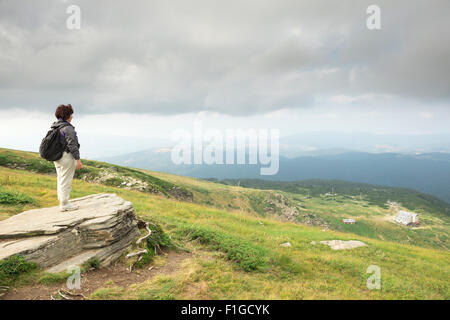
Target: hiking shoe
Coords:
[[69, 207]]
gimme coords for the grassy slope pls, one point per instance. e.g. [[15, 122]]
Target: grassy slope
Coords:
[[97, 172], [227, 243], [373, 194], [374, 219]]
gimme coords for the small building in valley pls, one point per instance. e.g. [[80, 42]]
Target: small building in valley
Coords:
[[407, 218], [349, 221]]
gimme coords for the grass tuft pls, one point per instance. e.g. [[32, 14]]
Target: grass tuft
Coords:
[[92, 263], [158, 240], [50, 278], [13, 267], [247, 255], [10, 197]]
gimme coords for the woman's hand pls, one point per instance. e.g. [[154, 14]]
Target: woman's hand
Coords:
[[79, 164]]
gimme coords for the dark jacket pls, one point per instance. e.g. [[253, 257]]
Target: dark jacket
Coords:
[[71, 140]]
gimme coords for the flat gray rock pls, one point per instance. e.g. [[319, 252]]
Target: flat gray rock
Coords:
[[343, 245], [74, 261], [104, 224]]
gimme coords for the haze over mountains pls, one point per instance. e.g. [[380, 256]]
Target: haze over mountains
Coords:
[[320, 143], [426, 172], [103, 145]]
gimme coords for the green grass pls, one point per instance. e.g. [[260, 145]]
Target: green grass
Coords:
[[372, 219], [237, 253], [155, 243], [247, 255], [375, 195], [11, 197], [163, 291], [98, 172], [12, 268], [114, 292], [93, 263], [50, 278]]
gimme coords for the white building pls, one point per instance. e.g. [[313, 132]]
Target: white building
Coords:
[[349, 221], [406, 218]]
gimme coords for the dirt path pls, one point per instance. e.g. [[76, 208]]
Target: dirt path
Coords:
[[95, 279]]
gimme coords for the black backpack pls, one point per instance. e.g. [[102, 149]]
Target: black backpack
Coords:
[[53, 146]]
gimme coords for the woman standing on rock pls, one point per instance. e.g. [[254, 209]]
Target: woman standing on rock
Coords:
[[65, 167]]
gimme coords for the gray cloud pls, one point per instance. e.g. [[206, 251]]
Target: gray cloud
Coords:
[[233, 57]]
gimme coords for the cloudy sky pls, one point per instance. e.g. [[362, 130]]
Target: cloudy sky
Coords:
[[142, 69]]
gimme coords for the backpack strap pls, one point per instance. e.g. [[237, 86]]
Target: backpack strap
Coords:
[[63, 135]]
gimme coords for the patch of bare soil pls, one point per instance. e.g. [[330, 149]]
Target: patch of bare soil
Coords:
[[92, 280]]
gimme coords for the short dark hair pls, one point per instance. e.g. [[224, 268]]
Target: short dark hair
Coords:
[[63, 112]]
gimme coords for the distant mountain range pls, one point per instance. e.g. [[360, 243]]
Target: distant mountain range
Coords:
[[428, 172], [320, 143], [102, 145]]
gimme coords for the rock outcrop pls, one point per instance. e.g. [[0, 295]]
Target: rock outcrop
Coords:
[[103, 227], [280, 205]]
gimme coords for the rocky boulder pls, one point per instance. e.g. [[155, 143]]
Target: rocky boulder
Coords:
[[103, 227]]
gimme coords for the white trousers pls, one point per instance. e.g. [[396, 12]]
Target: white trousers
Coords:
[[65, 170]]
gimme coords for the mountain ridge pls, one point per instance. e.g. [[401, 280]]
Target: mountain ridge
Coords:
[[428, 173]]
